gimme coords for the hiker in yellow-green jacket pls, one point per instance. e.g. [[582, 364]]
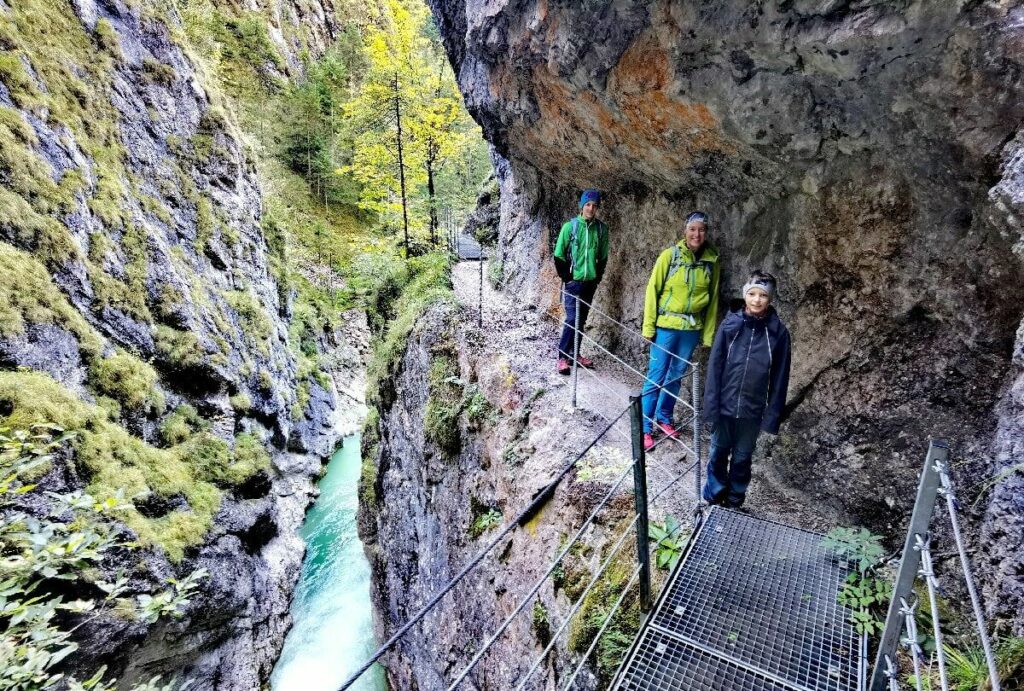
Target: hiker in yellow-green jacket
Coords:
[[680, 309], [581, 254]]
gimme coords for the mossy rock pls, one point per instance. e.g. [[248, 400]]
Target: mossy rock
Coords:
[[112, 460]]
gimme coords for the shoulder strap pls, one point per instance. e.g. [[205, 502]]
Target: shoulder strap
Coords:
[[572, 243], [677, 261]]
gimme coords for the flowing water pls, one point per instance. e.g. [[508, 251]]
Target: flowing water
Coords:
[[332, 633]]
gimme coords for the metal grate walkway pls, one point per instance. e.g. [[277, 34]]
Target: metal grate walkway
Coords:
[[752, 606]]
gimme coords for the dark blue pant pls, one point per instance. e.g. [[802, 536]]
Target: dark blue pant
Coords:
[[664, 373], [732, 446], [585, 291]]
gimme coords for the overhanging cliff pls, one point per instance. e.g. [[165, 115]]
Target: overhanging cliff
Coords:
[[865, 152]]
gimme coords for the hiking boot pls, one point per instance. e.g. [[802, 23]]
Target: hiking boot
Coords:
[[648, 441], [585, 362], [563, 366], [668, 430]]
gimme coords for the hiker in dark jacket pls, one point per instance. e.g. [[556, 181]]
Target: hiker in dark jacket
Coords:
[[581, 254], [745, 391]]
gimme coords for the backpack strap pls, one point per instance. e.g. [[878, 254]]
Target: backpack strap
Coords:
[[572, 245]]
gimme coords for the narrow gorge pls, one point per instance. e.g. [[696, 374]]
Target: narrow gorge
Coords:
[[223, 233]]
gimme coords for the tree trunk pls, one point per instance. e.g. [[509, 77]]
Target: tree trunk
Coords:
[[401, 162], [431, 201]]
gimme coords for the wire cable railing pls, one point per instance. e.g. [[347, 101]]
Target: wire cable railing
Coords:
[[917, 561], [519, 520], [640, 575]]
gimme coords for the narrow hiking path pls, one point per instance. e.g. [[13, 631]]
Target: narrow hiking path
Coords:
[[526, 339]]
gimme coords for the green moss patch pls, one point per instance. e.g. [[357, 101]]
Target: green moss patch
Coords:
[[112, 460]]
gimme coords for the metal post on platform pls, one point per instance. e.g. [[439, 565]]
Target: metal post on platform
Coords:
[[698, 485], [910, 561], [480, 259], [575, 349], [636, 417]]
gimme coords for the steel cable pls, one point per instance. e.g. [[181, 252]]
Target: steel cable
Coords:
[[947, 491], [533, 591], [579, 602], [530, 509]]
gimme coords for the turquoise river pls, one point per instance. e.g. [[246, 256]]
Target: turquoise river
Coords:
[[332, 630]]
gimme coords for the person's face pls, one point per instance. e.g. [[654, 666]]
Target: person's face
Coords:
[[589, 211], [695, 233], [757, 302]]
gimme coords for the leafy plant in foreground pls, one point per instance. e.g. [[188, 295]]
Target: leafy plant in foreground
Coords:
[[71, 539], [863, 592], [669, 542]]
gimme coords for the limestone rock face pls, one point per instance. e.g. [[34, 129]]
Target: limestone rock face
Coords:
[[203, 305], [865, 152]]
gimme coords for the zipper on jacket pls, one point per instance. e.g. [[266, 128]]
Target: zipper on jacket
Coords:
[[743, 379], [768, 344]]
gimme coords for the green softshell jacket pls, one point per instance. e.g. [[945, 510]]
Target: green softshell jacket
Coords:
[[692, 290], [590, 251]]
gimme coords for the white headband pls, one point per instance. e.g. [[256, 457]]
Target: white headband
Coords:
[[761, 283]]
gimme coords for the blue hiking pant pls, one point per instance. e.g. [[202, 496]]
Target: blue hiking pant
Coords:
[[664, 372], [732, 446], [585, 291]]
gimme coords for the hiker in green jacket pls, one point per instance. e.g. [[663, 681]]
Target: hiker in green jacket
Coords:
[[680, 309], [581, 254]]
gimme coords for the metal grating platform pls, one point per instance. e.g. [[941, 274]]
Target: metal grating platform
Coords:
[[751, 606]]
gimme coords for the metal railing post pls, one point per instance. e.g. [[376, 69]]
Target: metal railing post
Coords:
[[480, 256], [910, 561], [636, 417], [575, 348], [698, 485]]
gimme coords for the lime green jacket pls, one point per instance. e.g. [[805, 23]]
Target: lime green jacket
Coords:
[[589, 253], [688, 300]]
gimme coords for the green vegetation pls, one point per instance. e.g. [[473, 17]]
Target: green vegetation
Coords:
[[478, 409], [116, 463], [369, 444], [129, 381], [541, 623], [69, 544], [670, 539], [444, 403], [864, 592], [180, 350], [487, 520], [595, 610], [968, 671], [181, 425], [216, 462], [416, 286]]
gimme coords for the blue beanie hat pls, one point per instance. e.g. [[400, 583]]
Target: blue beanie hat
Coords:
[[590, 196]]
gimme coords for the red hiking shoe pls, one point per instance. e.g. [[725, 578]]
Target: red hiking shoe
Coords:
[[668, 430], [648, 441], [563, 366], [585, 362]]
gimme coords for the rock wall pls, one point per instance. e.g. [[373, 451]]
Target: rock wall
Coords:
[[132, 232], [863, 151]]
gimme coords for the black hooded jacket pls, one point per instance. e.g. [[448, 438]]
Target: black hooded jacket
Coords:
[[748, 370]]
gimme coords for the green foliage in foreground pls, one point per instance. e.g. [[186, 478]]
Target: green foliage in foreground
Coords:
[[866, 594], [670, 539], [118, 464], [68, 544], [967, 671]]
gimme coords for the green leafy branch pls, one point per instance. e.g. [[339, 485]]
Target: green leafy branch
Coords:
[[72, 539], [866, 594]]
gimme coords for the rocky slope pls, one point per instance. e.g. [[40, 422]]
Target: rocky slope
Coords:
[[866, 152], [143, 299]]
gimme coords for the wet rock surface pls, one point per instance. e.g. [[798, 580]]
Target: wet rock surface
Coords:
[[867, 153], [190, 191]]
